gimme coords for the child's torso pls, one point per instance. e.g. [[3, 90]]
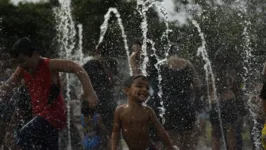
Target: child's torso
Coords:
[[39, 87], [135, 128]]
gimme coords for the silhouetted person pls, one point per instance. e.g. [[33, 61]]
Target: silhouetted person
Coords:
[[226, 102], [179, 83], [102, 70]]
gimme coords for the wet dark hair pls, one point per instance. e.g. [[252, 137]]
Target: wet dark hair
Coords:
[[131, 79], [173, 50], [138, 41], [85, 109], [24, 46]]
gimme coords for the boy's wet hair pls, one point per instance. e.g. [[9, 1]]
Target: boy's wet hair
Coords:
[[138, 41], [85, 109], [24, 46], [131, 79]]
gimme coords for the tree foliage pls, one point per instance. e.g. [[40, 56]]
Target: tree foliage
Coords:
[[223, 26], [27, 19]]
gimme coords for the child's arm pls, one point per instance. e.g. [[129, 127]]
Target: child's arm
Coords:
[[13, 81], [68, 66], [160, 130], [116, 129]]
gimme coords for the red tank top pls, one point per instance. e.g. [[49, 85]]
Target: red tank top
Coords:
[[38, 85]]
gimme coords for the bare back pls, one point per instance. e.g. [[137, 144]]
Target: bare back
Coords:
[[135, 126]]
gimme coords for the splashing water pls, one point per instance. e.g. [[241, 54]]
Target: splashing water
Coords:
[[255, 131], [66, 39], [209, 73], [247, 49], [160, 92], [104, 27], [246, 54], [79, 53], [207, 67], [143, 7], [65, 28], [164, 13]]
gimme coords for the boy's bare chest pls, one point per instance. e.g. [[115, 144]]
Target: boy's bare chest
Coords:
[[135, 117]]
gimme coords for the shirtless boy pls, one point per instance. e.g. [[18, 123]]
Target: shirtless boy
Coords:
[[134, 118]]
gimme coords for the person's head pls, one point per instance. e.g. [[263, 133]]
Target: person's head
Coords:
[[25, 52], [137, 44], [85, 108], [102, 49], [173, 50], [137, 88]]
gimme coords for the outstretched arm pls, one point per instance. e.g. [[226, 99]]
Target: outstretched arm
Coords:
[[160, 130], [12, 82], [116, 129], [57, 65], [134, 64]]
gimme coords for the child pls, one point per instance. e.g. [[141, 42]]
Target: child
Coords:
[[134, 118], [41, 76], [93, 128]]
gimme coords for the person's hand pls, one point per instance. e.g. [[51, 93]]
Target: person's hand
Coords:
[[92, 99], [263, 136], [134, 57]]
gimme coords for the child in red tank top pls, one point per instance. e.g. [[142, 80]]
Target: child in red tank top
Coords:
[[41, 77]]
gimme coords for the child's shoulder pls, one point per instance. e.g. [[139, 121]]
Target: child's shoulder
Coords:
[[146, 107], [121, 107]]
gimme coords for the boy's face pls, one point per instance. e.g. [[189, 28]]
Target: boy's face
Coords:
[[24, 61], [136, 48], [139, 90]]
